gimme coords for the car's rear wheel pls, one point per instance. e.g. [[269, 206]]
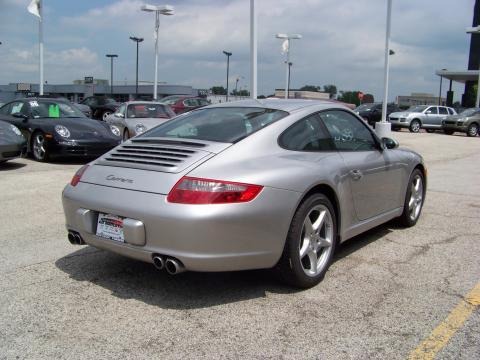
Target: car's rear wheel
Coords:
[[126, 135], [415, 126], [414, 199], [448, 132], [472, 130], [39, 149], [310, 243], [106, 114], [430, 131]]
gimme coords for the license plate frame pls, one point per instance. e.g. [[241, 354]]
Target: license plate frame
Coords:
[[110, 227]]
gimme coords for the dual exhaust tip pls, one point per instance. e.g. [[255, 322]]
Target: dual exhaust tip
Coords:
[[75, 238], [172, 265]]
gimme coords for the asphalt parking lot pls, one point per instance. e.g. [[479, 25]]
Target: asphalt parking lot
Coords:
[[386, 292]]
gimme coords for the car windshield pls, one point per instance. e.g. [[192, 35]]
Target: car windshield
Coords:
[[223, 124], [470, 112], [170, 100], [417, 108], [50, 109], [109, 101], [135, 111], [365, 107]]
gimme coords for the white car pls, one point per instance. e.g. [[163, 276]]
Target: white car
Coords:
[[418, 117]]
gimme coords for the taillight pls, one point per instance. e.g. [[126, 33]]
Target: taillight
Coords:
[[78, 175], [191, 190]]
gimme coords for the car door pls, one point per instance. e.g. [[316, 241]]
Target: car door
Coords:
[[430, 116], [442, 115], [17, 113], [374, 174]]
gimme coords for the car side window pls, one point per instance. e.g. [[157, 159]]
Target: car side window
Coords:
[[306, 135], [431, 110], [16, 107], [450, 111], [4, 109], [442, 111], [348, 132]]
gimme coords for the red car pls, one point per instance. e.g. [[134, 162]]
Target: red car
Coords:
[[184, 103]]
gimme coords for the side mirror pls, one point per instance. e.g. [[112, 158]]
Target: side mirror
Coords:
[[119, 115], [21, 116], [428, 112], [389, 143]]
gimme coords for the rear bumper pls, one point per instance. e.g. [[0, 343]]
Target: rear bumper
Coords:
[[399, 124], [454, 127], [222, 237]]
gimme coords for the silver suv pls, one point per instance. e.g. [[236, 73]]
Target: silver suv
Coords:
[[428, 117]]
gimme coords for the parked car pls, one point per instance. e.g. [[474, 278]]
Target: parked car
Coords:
[[245, 185], [101, 106], [183, 103], [468, 121], [372, 112], [12, 142], [136, 117], [418, 117], [54, 127]]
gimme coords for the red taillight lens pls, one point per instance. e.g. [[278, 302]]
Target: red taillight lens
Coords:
[[78, 175], [191, 190]]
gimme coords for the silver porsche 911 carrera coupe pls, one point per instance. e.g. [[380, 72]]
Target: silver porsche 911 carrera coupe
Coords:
[[245, 185]]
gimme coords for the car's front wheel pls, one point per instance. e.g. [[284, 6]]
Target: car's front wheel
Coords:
[[106, 114], [310, 243], [415, 126], [414, 199], [126, 135], [472, 130], [39, 149]]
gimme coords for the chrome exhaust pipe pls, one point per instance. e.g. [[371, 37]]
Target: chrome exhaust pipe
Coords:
[[72, 239], [79, 240], [159, 262], [174, 266]]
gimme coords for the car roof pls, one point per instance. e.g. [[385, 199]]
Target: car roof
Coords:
[[289, 105], [143, 102]]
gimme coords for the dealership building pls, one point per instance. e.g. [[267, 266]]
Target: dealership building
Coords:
[[81, 89]]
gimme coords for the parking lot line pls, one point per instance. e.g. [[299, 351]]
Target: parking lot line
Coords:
[[443, 332]]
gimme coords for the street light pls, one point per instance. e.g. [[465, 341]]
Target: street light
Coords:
[[286, 49], [476, 30], [383, 128], [137, 40], [228, 68], [440, 91], [158, 10], [111, 56]]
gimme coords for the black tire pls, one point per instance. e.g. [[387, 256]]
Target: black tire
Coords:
[[39, 150], [291, 266], [406, 218], [430, 131], [395, 129], [126, 135], [448, 132], [472, 130], [415, 126]]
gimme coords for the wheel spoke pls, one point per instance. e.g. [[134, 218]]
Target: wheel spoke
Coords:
[[411, 203], [312, 257], [308, 226], [305, 247], [317, 225], [323, 242]]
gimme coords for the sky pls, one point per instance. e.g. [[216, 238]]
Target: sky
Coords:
[[343, 43]]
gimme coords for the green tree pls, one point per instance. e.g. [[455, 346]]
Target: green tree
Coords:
[[331, 89], [368, 99], [240, 93], [218, 90], [310, 88], [350, 97]]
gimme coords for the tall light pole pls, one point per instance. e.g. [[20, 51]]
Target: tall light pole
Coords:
[[158, 10], [289, 73], [383, 128], [111, 56], [473, 31], [228, 68], [137, 40], [286, 49], [440, 91]]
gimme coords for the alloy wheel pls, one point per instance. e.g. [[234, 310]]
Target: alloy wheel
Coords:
[[472, 130], [415, 126], [416, 197], [316, 240], [39, 147], [105, 115]]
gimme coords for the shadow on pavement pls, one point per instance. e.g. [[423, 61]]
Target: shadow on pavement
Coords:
[[11, 165], [130, 279]]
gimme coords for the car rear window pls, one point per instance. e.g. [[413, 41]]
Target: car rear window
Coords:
[[147, 111], [223, 124]]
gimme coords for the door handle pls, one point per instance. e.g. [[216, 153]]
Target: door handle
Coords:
[[356, 174]]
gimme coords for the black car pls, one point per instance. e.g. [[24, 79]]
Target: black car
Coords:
[[101, 106], [12, 142], [372, 112], [54, 127]]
